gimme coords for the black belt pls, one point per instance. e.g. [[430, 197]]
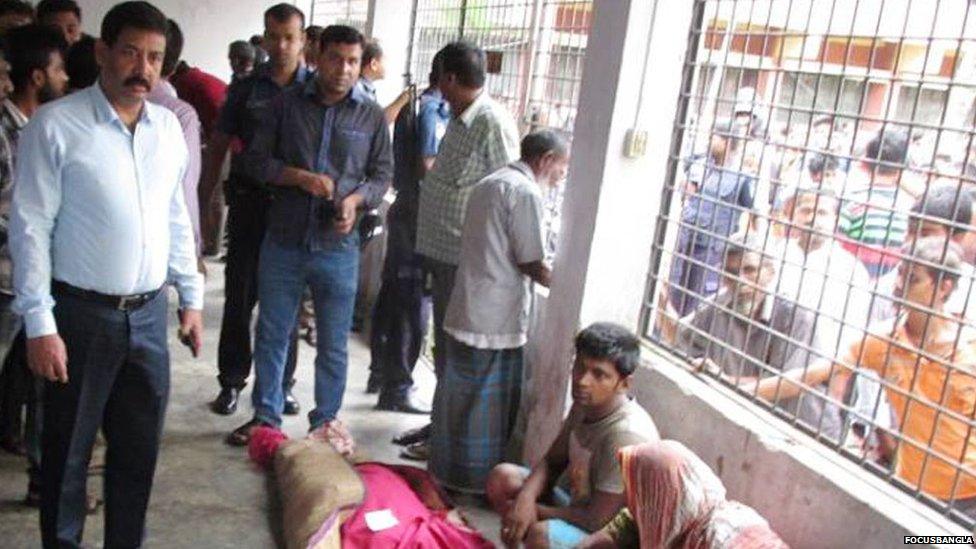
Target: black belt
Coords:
[[120, 302]]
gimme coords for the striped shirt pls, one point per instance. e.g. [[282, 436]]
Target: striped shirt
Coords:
[[875, 220], [483, 139]]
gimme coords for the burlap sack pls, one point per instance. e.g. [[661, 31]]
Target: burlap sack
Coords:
[[318, 488]]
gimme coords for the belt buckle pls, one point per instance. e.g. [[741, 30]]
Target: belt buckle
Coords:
[[124, 302]]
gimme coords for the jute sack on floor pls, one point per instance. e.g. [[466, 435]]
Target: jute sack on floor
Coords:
[[318, 490]]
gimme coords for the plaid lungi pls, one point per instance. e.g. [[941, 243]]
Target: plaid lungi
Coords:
[[475, 406]]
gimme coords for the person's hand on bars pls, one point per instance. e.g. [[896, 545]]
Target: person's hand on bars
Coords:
[[707, 365], [667, 317]]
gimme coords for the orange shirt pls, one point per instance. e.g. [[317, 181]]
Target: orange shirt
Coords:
[[916, 400]]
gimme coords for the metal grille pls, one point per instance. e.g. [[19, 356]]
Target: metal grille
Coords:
[[814, 246], [340, 12], [535, 51]]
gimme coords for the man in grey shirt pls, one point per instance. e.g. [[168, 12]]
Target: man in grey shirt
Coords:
[[502, 249], [745, 332]]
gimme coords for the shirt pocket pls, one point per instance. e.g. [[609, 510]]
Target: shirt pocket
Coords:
[[256, 108], [350, 147], [472, 168]]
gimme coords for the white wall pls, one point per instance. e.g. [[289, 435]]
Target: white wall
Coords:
[[611, 202], [208, 26]]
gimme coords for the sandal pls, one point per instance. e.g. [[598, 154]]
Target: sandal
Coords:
[[242, 435]]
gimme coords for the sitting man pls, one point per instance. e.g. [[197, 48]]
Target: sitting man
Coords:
[[746, 332], [927, 360], [603, 420]]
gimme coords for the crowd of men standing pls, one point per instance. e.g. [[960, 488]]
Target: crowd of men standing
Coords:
[[115, 193]]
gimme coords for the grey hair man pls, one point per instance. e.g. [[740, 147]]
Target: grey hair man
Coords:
[[502, 250]]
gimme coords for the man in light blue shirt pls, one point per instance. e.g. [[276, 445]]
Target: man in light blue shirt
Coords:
[[98, 227]]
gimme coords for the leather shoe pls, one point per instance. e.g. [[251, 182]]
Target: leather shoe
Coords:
[[374, 384], [291, 404], [406, 403], [418, 451], [412, 436], [226, 402]]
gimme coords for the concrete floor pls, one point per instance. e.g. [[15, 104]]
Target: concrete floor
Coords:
[[206, 493]]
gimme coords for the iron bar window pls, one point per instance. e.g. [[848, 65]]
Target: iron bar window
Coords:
[[815, 247], [340, 12], [535, 51]]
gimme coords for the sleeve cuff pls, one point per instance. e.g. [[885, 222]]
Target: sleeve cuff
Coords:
[[40, 324], [191, 292], [370, 201]]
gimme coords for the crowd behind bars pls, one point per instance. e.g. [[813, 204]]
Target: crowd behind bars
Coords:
[[114, 156], [826, 268], [826, 275]]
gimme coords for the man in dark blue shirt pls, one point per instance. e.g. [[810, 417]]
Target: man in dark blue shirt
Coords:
[[324, 149], [716, 195], [400, 314], [248, 200]]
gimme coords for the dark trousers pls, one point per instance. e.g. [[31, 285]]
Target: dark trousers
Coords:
[[398, 328], [118, 380], [442, 283], [246, 226], [15, 379], [16, 386]]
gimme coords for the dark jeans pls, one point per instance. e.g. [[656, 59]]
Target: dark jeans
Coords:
[[332, 275], [399, 324], [118, 380], [246, 226]]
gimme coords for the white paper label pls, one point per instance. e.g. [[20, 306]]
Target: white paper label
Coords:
[[377, 521]]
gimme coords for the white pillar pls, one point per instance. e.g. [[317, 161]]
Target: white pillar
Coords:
[[612, 202], [389, 22]]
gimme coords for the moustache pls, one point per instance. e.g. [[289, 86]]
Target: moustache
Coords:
[[136, 80]]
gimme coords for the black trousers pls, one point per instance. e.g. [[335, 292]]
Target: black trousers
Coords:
[[399, 324], [118, 380], [246, 226], [442, 283]]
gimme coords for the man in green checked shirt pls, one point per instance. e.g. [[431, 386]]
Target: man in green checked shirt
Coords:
[[480, 138]]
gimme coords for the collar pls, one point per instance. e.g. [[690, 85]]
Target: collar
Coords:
[[964, 333], [19, 118], [310, 90], [523, 168], [432, 94], [263, 72], [368, 85], [105, 112], [467, 117]]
